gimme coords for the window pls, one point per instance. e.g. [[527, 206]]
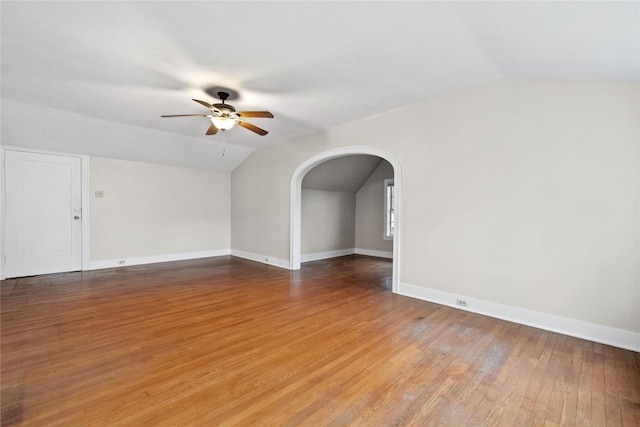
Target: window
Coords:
[[389, 214]]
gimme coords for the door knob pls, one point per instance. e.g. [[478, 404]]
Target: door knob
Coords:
[[76, 217]]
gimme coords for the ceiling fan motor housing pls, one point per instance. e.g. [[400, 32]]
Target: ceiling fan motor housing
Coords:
[[225, 108]]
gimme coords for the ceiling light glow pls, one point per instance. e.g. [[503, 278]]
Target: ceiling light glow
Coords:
[[223, 123]]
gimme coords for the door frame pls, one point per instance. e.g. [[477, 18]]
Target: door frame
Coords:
[[296, 200], [84, 190]]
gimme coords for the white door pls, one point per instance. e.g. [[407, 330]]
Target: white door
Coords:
[[43, 214]]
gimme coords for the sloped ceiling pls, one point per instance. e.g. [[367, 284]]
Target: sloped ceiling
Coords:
[[94, 77], [346, 174]]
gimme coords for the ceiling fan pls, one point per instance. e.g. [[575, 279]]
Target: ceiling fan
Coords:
[[224, 116]]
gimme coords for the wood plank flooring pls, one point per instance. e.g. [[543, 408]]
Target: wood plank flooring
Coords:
[[224, 341]]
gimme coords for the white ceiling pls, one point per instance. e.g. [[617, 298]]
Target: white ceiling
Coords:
[[346, 174], [111, 69]]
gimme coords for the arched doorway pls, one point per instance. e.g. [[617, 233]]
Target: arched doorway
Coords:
[[296, 196]]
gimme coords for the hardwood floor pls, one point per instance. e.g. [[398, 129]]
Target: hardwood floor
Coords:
[[225, 341]]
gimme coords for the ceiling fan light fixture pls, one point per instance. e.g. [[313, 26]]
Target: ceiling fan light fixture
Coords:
[[223, 123]]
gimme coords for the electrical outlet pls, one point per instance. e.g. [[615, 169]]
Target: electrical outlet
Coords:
[[99, 194], [266, 260], [461, 302], [121, 262]]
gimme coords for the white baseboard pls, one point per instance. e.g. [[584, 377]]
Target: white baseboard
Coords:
[[576, 328], [371, 252], [342, 252], [124, 262], [265, 259], [324, 255]]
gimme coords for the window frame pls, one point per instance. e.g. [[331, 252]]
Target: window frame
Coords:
[[389, 210]]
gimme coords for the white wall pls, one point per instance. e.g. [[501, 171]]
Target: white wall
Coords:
[[328, 221], [260, 206], [370, 211], [522, 192], [154, 210]]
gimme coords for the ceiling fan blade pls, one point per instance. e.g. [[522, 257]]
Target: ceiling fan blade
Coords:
[[212, 130], [252, 128], [185, 115], [206, 104], [264, 114]]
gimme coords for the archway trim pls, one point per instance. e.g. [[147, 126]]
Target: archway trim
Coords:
[[296, 199]]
